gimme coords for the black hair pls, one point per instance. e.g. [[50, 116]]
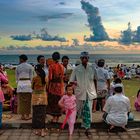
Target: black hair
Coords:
[[101, 62], [115, 76], [65, 57], [117, 81], [15, 91], [23, 57], [42, 74], [118, 89], [138, 93], [56, 56], [69, 85], [40, 56]]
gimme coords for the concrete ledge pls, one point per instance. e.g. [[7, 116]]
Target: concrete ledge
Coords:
[[96, 125]]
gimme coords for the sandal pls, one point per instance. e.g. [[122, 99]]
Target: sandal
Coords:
[[28, 118]]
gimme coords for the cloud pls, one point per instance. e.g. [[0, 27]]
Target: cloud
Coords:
[[21, 37], [62, 3], [130, 37], [55, 16], [46, 37], [95, 23]]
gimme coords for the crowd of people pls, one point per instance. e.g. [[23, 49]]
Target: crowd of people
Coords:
[[53, 87]]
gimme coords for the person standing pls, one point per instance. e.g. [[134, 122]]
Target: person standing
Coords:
[[3, 79], [24, 73], [39, 101], [83, 76], [55, 87], [42, 61], [68, 103], [103, 84], [67, 69]]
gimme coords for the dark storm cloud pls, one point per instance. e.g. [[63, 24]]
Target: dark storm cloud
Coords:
[[95, 23]]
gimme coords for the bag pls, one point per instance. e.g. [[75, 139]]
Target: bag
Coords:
[[130, 116]]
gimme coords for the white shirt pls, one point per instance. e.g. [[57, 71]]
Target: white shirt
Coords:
[[85, 82], [102, 77], [117, 107], [24, 70]]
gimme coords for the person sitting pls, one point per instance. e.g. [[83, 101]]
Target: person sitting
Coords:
[[116, 109], [116, 81], [8, 94], [137, 101], [120, 74], [128, 75]]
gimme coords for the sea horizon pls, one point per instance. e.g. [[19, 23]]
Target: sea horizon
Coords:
[[110, 59]]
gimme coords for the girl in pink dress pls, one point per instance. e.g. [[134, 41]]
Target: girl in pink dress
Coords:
[[137, 101], [68, 103], [3, 79]]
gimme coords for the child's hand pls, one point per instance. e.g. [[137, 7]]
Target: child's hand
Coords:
[[63, 110]]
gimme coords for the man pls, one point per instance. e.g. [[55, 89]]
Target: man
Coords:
[[24, 73], [84, 77], [41, 60], [67, 69], [117, 108], [103, 84]]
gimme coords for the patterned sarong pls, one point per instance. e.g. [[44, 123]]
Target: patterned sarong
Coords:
[[86, 117]]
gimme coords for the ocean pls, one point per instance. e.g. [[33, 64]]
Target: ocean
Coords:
[[111, 59]]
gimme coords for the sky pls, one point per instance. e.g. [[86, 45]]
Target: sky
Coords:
[[65, 18]]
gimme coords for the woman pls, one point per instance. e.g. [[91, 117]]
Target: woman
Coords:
[[3, 79], [39, 101], [55, 87]]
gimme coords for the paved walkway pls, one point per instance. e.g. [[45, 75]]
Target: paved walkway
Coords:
[[27, 134], [97, 117], [97, 134]]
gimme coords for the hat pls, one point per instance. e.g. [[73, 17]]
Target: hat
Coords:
[[118, 85], [84, 54]]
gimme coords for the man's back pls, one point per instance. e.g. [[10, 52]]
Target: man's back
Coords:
[[117, 107]]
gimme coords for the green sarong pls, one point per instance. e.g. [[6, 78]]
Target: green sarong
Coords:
[[86, 117]]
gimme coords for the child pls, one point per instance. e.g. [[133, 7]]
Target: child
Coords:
[[39, 101], [137, 101], [68, 102], [3, 79]]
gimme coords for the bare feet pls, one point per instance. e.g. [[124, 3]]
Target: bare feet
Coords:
[[37, 132], [22, 117], [70, 137], [43, 133], [87, 132], [111, 128]]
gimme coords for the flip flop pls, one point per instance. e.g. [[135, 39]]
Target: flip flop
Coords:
[[28, 118]]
